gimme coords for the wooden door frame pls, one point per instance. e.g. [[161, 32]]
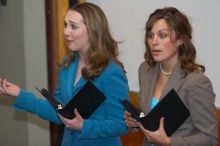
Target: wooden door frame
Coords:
[[52, 47]]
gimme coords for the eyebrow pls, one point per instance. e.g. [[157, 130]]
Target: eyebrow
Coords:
[[163, 30], [72, 22], [160, 30]]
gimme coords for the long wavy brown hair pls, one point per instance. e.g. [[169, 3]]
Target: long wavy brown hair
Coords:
[[103, 47], [179, 23]]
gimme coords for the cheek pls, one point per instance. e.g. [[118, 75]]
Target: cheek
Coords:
[[86, 37], [81, 41], [170, 48], [76, 35], [149, 43], [82, 36]]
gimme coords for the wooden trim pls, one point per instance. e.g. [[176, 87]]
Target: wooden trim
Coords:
[[62, 7], [50, 10], [81, 1], [54, 11]]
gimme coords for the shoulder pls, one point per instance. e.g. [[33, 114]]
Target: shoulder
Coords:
[[144, 65], [198, 86], [143, 68], [112, 68], [113, 77], [112, 73], [198, 78]]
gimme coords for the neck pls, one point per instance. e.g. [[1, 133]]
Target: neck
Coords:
[[81, 57], [165, 71], [81, 63]]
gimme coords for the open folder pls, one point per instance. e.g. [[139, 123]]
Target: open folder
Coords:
[[170, 107], [86, 101]]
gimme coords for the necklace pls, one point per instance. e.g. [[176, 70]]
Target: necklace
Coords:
[[164, 72]]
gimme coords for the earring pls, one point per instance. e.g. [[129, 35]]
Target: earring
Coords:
[[179, 42]]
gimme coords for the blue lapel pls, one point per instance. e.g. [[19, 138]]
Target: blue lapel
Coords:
[[71, 75]]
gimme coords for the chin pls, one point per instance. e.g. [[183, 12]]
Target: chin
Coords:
[[157, 60], [71, 48]]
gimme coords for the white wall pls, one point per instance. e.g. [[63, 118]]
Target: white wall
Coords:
[[35, 65], [127, 20], [23, 61]]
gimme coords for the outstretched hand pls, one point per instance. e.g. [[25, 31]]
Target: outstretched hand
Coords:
[[158, 137], [75, 124], [8, 88]]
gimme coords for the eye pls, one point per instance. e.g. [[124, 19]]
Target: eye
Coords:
[[73, 26], [150, 35], [162, 35], [65, 24]]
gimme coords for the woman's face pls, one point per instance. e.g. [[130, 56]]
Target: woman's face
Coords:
[[75, 32], [162, 42]]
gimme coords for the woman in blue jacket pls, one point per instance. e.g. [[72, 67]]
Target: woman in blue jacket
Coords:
[[93, 56]]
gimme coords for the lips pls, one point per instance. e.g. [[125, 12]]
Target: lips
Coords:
[[155, 51], [68, 41]]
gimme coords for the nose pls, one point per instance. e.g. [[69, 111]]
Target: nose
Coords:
[[154, 40], [66, 30]]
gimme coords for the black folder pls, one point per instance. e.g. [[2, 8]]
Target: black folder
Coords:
[[170, 107], [86, 101]]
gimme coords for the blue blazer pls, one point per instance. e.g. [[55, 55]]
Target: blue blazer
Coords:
[[105, 125]]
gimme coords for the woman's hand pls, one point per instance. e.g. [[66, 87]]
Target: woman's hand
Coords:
[[75, 124], [130, 122], [8, 88], [158, 137]]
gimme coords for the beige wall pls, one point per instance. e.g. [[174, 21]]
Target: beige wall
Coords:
[[23, 61]]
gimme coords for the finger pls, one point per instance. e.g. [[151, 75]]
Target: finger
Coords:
[[141, 126], [1, 82], [8, 83], [143, 129], [1, 90], [60, 116], [78, 116], [131, 124], [127, 113], [148, 138], [64, 120], [3, 85], [128, 117], [146, 132], [161, 123]]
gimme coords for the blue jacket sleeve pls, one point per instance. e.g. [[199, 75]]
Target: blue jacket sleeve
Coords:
[[27, 101]]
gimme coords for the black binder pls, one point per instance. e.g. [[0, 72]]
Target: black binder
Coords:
[[86, 101], [170, 107]]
